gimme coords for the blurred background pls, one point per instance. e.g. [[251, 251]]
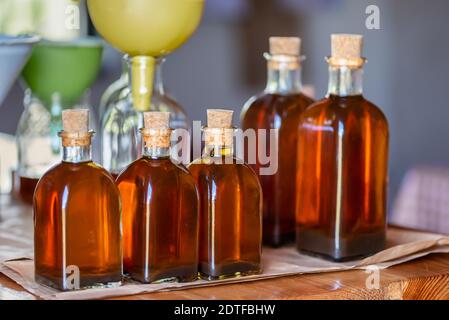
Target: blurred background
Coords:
[[222, 64]]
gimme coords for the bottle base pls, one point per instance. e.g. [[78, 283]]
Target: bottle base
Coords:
[[180, 274], [226, 271], [277, 240], [91, 282], [317, 244]]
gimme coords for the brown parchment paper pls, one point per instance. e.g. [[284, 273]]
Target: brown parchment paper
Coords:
[[402, 246]]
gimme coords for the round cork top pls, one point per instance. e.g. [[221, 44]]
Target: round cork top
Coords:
[[156, 132], [289, 46], [346, 50], [75, 121], [219, 118], [219, 130], [156, 120], [75, 128]]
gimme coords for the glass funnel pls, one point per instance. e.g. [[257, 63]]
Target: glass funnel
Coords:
[[121, 122], [14, 51], [145, 30], [57, 77]]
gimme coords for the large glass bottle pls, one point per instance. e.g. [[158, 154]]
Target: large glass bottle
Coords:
[[278, 107], [77, 217], [116, 91], [342, 164], [37, 144], [37, 140], [230, 205], [121, 122], [160, 210]]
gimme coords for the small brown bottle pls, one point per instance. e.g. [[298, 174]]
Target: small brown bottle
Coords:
[[230, 205], [279, 107], [342, 164], [77, 227], [160, 210]]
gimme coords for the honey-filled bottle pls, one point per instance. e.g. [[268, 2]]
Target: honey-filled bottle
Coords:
[[160, 210], [77, 217], [230, 205], [342, 164], [278, 107]]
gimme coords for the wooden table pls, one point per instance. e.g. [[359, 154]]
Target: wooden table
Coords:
[[426, 278]]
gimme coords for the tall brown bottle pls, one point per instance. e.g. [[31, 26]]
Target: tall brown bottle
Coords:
[[279, 107], [342, 164], [230, 205], [77, 227], [160, 210]]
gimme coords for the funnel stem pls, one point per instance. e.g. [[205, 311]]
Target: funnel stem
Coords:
[[142, 77]]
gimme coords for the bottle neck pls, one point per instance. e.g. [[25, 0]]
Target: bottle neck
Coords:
[[219, 142], [284, 74], [76, 146], [218, 151], [158, 81], [77, 154], [156, 152], [156, 142], [126, 70], [345, 81]]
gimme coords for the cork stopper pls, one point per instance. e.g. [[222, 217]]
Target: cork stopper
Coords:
[[156, 119], [347, 50], [289, 46], [219, 130], [75, 128], [75, 120], [156, 132], [219, 118]]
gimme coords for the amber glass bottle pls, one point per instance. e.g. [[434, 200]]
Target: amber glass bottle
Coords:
[[230, 205], [343, 160], [278, 107], [77, 231], [160, 210], [26, 189]]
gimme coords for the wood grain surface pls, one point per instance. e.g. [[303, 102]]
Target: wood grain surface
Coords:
[[426, 278]]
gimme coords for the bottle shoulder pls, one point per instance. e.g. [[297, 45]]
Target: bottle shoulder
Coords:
[[121, 113], [151, 168], [268, 108], [85, 175], [340, 108], [271, 100], [230, 166]]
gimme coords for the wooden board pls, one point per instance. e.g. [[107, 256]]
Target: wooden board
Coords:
[[426, 278]]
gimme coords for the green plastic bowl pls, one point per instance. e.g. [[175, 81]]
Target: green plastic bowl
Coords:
[[64, 68]]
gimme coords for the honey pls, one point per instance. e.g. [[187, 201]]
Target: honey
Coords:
[[77, 227], [342, 165], [230, 205], [280, 106], [160, 211], [26, 188]]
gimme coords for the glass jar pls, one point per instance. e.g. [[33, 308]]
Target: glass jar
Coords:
[[38, 144]]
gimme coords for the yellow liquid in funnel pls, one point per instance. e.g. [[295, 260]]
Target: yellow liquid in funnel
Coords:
[[146, 27]]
